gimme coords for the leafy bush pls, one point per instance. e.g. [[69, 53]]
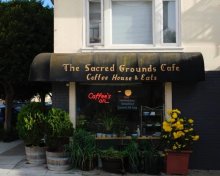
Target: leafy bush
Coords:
[[58, 129], [30, 123]]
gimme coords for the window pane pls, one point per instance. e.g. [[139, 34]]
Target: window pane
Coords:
[[95, 21], [132, 22], [122, 101], [169, 22]]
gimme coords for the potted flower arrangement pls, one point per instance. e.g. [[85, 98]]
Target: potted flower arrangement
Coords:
[[179, 135]]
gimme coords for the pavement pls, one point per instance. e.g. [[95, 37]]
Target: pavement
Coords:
[[13, 163]]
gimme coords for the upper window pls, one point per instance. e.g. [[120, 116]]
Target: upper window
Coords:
[[132, 22], [94, 26], [169, 21]]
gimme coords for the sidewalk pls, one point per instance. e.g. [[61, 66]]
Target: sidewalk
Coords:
[[13, 163]]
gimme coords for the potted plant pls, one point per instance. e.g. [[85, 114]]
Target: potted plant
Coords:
[[112, 160], [31, 128], [59, 129], [132, 156], [152, 159], [82, 150], [179, 135], [108, 122]]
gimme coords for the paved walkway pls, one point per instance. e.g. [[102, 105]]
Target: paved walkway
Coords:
[[13, 163]]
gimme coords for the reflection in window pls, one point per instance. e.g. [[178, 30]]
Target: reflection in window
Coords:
[[169, 22], [121, 101], [95, 21]]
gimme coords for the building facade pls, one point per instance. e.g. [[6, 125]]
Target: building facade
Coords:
[[123, 56]]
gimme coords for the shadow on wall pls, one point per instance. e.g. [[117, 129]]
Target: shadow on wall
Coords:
[[201, 23]]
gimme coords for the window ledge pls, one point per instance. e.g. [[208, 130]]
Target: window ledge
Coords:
[[132, 49]]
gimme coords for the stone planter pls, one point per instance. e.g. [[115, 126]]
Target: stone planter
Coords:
[[35, 154], [58, 161]]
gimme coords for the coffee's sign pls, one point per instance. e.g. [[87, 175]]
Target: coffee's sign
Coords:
[[102, 98], [121, 73]]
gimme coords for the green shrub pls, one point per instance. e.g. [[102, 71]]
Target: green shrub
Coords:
[[30, 124], [58, 129]]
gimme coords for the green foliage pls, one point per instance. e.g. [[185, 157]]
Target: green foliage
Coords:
[[26, 29], [30, 123], [58, 129], [82, 149], [111, 153], [109, 121], [152, 158], [133, 153]]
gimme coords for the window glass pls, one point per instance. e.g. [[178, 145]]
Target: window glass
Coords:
[[95, 21], [122, 101], [169, 22], [132, 22]]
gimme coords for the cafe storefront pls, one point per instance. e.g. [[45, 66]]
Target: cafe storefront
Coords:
[[131, 87]]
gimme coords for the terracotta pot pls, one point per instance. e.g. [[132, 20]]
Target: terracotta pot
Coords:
[[177, 162]]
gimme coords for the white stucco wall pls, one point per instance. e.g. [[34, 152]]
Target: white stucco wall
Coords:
[[201, 29], [68, 25]]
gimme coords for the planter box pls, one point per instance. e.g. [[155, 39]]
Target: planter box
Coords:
[[112, 165], [177, 162]]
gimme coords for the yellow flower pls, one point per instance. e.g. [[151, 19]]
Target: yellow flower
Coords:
[[167, 128], [186, 131], [179, 125], [172, 120], [191, 129], [190, 121], [174, 115], [178, 134], [195, 138], [181, 120], [177, 111]]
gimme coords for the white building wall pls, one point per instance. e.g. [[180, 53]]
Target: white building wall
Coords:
[[68, 25], [201, 30]]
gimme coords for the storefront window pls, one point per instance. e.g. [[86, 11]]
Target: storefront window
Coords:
[[121, 102]]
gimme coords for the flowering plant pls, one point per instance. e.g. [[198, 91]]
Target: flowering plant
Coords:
[[178, 131]]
